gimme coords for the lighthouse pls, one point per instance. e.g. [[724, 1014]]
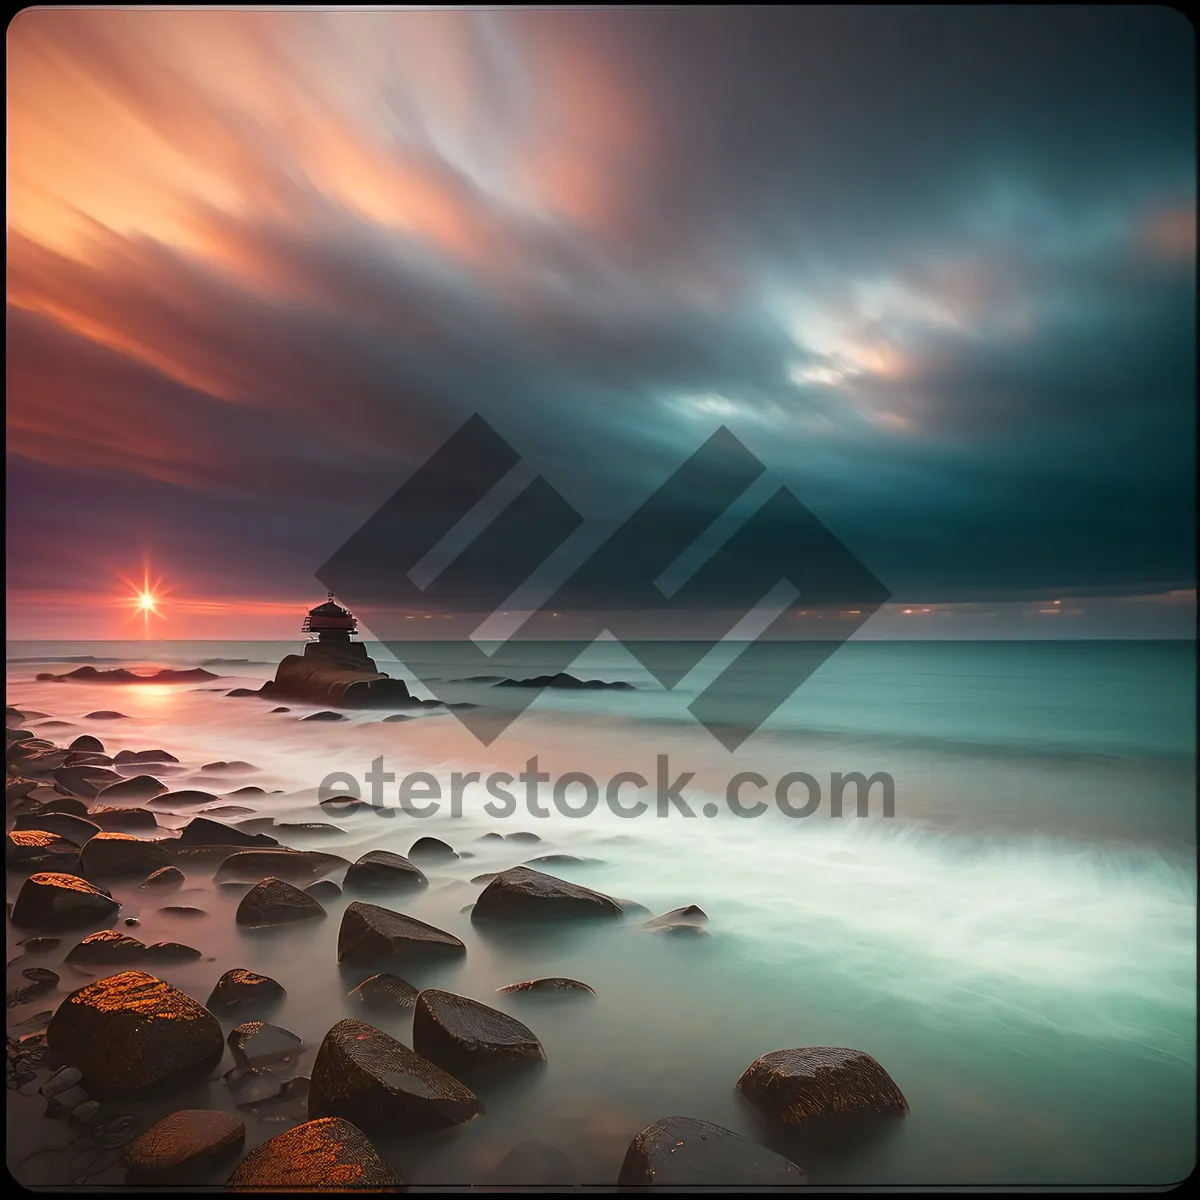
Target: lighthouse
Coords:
[[330, 622]]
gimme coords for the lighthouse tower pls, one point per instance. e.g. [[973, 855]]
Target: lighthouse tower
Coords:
[[330, 622]]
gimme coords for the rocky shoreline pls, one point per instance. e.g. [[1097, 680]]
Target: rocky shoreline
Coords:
[[75, 826]]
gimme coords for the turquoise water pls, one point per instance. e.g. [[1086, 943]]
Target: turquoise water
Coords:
[[1016, 944]]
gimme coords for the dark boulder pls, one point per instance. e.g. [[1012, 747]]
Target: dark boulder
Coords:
[[201, 831], [383, 869], [564, 681], [462, 1034], [105, 714], [276, 902], [324, 715], [367, 1077], [384, 992], [522, 894], [554, 985], [184, 1146], [53, 900], [296, 866], [164, 877], [65, 804], [255, 1044], [140, 787], [86, 742], [144, 756], [86, 782], [431, 848], [123, 820], [793, 1086], [74, 829], [188, 798], [685, 1153], [310, 1157], [370, 935], [39, 850], [240, 990], [131, 1033], [522, 835], [119, 855], [170, 952], [107, 947]]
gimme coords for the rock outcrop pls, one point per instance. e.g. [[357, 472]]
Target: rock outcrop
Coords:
[[685, 1153], [522, 894], [337, 673]]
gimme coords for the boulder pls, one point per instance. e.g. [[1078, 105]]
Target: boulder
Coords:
[[105, 714], [310, 1157], [187, 798], [121, 855], [140, 787], [276, 902], [170, 952], [561, 860], [535, 1165], [65, 804], [143, 756], [107, 947], [86, 782], [296, 866], [39, 850], [201, 831], [183, 1146], [462, 1034], [164, 877], [133, 1033], [53, 900], [255, 1044], [522, 894], [431, 848], [553, 985], [685, 1153], [370, 935], [85, 741], [790, 1087], [74, 829], [324, 889], [367, 1077], [383, 869], [123, 820], [384, 993], [522, 835], [242, 990]]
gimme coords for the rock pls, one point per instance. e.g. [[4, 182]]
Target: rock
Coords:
[[170, 952], [164, 877], [385, 992], [522, 894], [240, 990], [226, 810], [74, 829], [324, 716], [553, 985], [563, 680], [310, 1156], [40, 945], [104, 714], [121, 855], [294, 865], [279, 710], [370, 934], [324, 889], [65, 804], [144, 756], [686, 1153], [521, 836], [793, 1086], [67, 1077], [65, 1101], [107, 947], [237, 767], [560, 860], [369, 1078], [249, 789], [251, 1086], [486, 877], [123, 820], [683, 930], [431, 848], [85, 741], [242, 692], [462, 1034], [52, 900], [308, 829], [131, 1033], [276, 902], [535, 1164], [121, 675], [41, 981], [39, 849], [255, 1044], [86, 782], [183, 910], [86, 1113], [140, 787], [184, 1145], [491, 837], [188, 798], [383, 869], [201, 831]]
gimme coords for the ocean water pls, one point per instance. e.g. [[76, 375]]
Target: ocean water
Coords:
[[1015, 943]]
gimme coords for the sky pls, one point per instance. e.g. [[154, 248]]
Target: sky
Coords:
[[934, 268]]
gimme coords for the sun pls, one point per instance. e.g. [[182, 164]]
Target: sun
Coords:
[[147, 603], [144, 598]]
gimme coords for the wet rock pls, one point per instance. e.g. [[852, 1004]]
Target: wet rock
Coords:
[[280, 709], [383, 869], [255, 1044], [184, 1145], [462, 1034], [131, 1033], [793, 1086], [370, 934], [107, 947], [40, 945], [563, 680], [369, 1078], [431, 848], [86, 782], [250, 789], [242, 990], [53, 900], [521, 836], [182, 910], [226, 810], [324, 890], [486, 877], [65, 804], [67, 1077], [632, 907], [237, 767], [171, 952], [86, 742], [490, 837], [242, 692], [164, 877], [686, 1153], [119, 855], [293, 865], [41, 982], [276, 902], [312, 1155], [39, 849], [324, 716], [105, 714], [523, 894], [385, 992], [308, 829], [535, 1164], [187, 798], [123, 820], [560, 860], [144, 756], [552, 985], [74, 829], [140, 787], [201, 831], [683, 930]]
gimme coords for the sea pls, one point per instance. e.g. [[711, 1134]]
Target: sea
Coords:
[[1012, 935]]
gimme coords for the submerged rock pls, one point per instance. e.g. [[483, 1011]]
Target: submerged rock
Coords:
[[522, 894], [370, 934], [431, 848], [250, 866], [383, 869], [794, 1086], [255, 1044], [563, 680], [385, 992], [324, 715], [686, 1153], [184, 1145], [54, 900], [131, 1033], [168, 952], [65, 804], [324, 889], [86, 782], [241, 989], [164, 877], [123, 820], [140, 787], [459, 1033], [535, 1164], [39, 849], [86, 742], [105, 714], [315, 1156], [276, 902], [73, 828], [202, 831], [122, 855], [107, 947], [553, 985], [188, 798], [144, 756], [522, 835], [369, 1078]]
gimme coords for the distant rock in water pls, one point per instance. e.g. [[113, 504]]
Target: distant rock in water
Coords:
[[134, 756], [326, 715], [522, 894], [337, 673], [87, 742], [563, 680], [240, 989], [550, 986], [681, 1152], [236, 767], [120, 675], [243, 692], [105, 714]]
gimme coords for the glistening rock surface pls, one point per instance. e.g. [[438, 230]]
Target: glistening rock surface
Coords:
[[459, 1033], [522, 894], [52, 900], [370, 934], [322, 1155], [184, 1144]]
